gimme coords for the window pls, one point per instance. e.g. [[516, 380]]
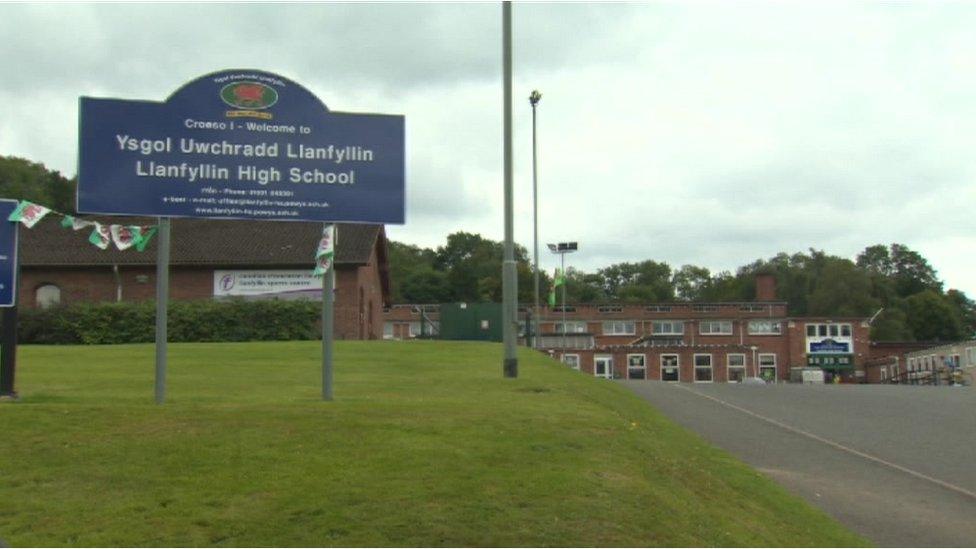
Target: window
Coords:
[[845, 330], [658, 308], [765, 327], [610, 309], [669, 368], [566, 309], [884, 373], [752, 308], [572, 327], [767, 366], [387, 330], [636, 367], [971, 355], [414, 329], [842, 331], [736, 366], [704, 308], [47, 296], [573, 361], [618, 327], [811, 330], [703, 368], [667, 327], [715, 327]]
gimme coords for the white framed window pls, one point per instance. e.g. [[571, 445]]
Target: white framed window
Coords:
[[670, 368], [387, 330], [47, 296], [636, 366], [703, 368], [715, 327], [414, 329], [618, 327], [658, 308], [971, 356], [736, 363], [834, 331], [572, 327], [573, 361], [610, 309], [704, 308], [767, 366], [667, 327], [765, 327]]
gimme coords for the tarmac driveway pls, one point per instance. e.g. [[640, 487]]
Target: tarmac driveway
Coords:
[[896, 464]]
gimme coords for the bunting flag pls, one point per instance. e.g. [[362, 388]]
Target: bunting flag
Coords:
[[558, 280], [28, 213], [101, 236], [326, 251], [124, 237], [145, 235]]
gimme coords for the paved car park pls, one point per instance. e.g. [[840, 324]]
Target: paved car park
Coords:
[[895, 463]]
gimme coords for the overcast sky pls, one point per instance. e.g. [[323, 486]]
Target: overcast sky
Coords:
[[704, 133]]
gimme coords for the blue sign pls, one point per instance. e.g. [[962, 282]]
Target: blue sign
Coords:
[[8, 254], [830, 346], [240, 144]]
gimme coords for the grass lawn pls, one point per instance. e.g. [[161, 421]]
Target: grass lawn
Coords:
[[425, 444]]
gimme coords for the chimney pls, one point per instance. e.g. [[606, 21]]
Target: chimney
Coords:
[[765, 287]]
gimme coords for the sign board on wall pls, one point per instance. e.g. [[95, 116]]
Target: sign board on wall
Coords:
[[283, 284], [240, 144], [830, 346], [8, 254]]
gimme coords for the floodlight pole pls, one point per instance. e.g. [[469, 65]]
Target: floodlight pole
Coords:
[[534, 100], [162, 302], [509, 280]]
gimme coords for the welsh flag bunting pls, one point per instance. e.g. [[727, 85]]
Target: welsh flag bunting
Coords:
[[124, 237], [101, 236], [145, 235], [68, 221], [28, 213], [326, 251]]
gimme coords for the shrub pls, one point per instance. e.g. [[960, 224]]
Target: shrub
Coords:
[[135, 322]]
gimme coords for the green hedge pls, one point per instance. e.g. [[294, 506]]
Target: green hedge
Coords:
[[135, 322]]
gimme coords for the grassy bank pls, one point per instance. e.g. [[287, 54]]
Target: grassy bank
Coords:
[[425, 444]]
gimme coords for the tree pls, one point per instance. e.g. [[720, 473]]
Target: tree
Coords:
[[425, 285], [405, 260], [690, 281], [892, 325], [912, 273], [932, 317], [842, 289], [644, 281], [966, 309], [22, 179]]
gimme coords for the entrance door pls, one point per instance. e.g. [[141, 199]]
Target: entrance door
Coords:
[[603, 367], [669, 368]]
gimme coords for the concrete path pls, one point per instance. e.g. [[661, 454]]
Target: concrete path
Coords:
[[896, 464]]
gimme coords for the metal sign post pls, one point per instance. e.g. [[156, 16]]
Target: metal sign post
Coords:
[[162, 304], [9, 273], [328, 319]]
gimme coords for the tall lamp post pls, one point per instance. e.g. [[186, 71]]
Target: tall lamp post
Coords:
[[562, 249], [534, 100], [509, 274]]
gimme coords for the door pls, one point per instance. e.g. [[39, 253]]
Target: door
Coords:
[[669, 368], [603, 367]]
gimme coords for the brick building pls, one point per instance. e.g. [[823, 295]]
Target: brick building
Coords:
[[682, 341], [212, 259]]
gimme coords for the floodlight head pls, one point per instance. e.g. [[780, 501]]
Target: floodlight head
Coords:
[[553, 248], [535, 97]]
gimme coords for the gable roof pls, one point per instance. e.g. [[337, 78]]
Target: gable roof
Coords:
[[205, 242]]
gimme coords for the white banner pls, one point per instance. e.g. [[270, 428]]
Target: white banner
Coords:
[[266, 283]]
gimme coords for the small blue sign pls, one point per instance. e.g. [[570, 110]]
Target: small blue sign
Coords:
[[8, 254], [240, 144], [830, 346]]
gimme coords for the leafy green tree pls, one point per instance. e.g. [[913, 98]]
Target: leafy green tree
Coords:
[[966, 309], [842, 289], [405, 260], [932, 317], [892, 325], [912, 272], [644, 281], [425, 285], [22, 179], [690, 282]]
